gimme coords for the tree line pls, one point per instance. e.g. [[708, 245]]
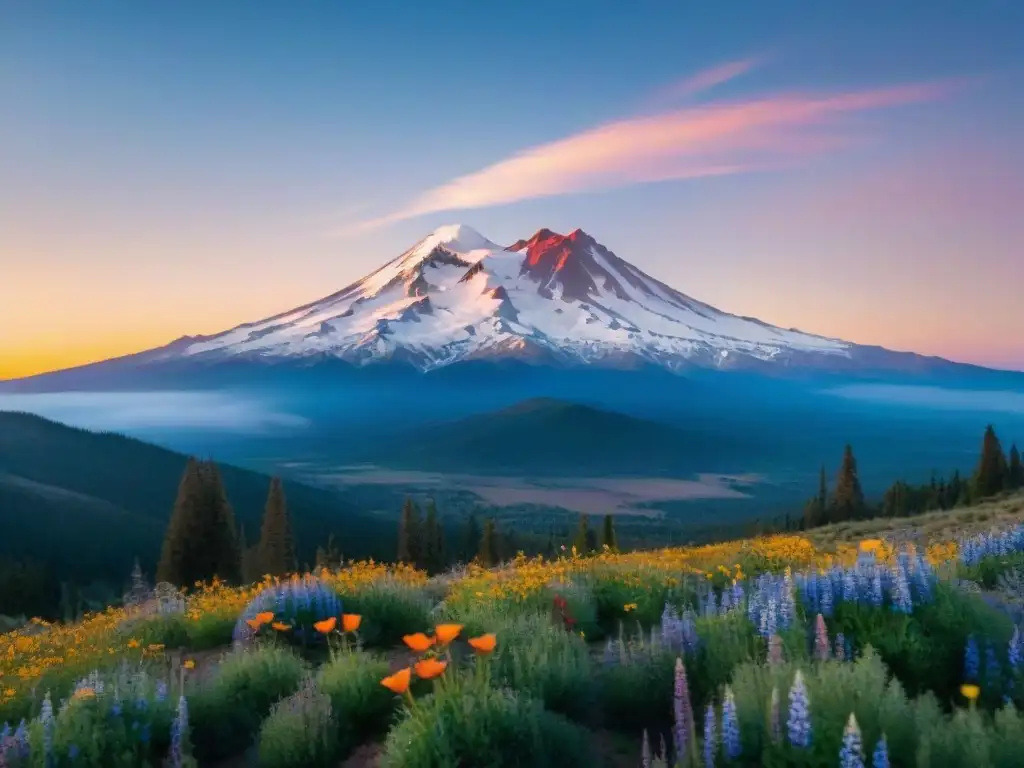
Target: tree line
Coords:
[[995, 472]]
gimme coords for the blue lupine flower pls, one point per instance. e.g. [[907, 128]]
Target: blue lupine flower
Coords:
[[161, 690], [993, 672], [730, 726], [901, 599], [709, 737], [849, 586], [826, 597], [1014, 651], [179, 732], [971, 660], [880, 757], [851, 755], [799, 722], [876, 589]]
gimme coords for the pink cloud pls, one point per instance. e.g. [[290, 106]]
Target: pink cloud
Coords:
[[702, 81], [709, 139]]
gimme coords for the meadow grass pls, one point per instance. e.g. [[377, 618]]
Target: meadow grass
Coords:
[[534, 661]]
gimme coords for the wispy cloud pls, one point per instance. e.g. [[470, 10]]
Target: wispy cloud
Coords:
[[707, 139], [700, 82]]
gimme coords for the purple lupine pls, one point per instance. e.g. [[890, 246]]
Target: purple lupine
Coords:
[[180, 747], [737, 593], [709, 736], [1014, 650], [902, 601], [880, 757], [46, 719], [682, 711], [971, 660], [820, 639], [849, 586], [798, 724], [876, 588], [851, 755], [826, 596], [730, 726], [645, 752]]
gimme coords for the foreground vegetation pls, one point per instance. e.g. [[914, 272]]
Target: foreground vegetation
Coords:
[[771, 651]]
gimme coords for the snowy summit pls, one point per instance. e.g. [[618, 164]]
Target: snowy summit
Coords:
[[456, 295]]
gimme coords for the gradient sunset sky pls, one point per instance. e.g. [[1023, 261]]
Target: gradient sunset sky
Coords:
[[850, 169]]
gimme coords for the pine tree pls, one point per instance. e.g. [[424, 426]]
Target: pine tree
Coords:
[[472, 540], [433, 542], [277, 542], [990, 476], [1015, 470], [410, 534], [815, 510], [582, 540], [488, 549], [178, 557], [848, 499], [219, 517], [608, 534], [250, 558]]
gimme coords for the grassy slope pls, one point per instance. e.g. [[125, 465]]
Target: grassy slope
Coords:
[[944, 525], [79, 499]]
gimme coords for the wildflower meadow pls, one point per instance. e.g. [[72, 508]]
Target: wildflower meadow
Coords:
[[765, 652]]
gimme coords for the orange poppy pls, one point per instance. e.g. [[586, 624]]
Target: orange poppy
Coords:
[[350, 621], [445, 633], [265, 617], [484, 643], [418, 642], [254, 624], [398, 682], [430, 668], [280, 626], [326, 626]]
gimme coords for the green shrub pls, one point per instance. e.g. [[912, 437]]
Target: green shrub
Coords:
[[389, 610], [95, 728], [362, 707], [300, 731], [724, 642], [988, 570], [635, 688], [467, 722], [547, 663], [835, 689], [635, 597], [208, 631], [925, 650], [226, 711]]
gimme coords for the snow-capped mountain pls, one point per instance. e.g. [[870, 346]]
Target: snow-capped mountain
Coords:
[[456, 296]]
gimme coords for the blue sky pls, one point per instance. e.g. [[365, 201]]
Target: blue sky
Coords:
[[184, 167]]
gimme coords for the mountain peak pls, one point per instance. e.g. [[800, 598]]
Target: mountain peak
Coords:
[[455, 295]]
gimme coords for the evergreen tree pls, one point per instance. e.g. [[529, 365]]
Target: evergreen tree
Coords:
[[201, 541], [487, 550], [410, 535], [472, 539], [433, 542], [250, 557], [1015, 470], [277, 543], [848, 499], [179, 564], [328, 556], [608, 534], [990, 476], [583, 538], [220, 524], [816, 509]]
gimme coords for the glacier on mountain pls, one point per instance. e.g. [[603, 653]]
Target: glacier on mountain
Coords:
[[456, 295]]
